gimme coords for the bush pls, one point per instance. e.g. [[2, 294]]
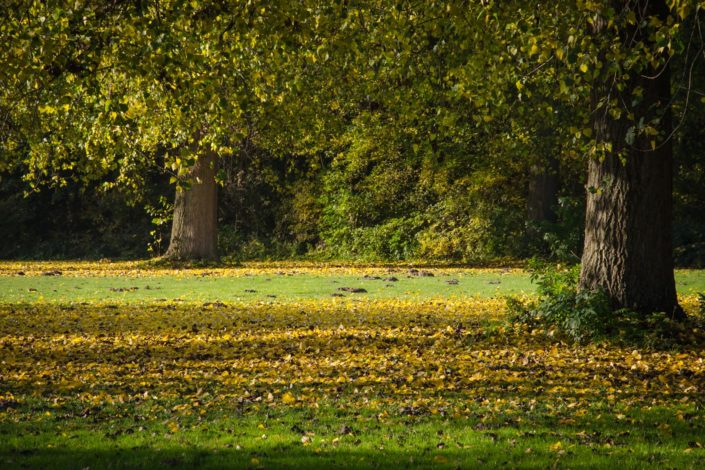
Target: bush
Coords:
[[562, 308], [395, 239], [72, 221], [563, 240]]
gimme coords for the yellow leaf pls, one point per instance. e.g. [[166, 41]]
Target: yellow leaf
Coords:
[[288, 398], [47, 109]]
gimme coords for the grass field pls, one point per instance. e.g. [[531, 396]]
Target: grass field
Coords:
[[99, 371], [129, 283], [259, 284]]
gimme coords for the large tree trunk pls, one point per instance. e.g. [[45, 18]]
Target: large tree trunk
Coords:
[[627, 250], [194, 228]]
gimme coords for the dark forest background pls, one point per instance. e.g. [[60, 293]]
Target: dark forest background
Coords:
[[360, 203]]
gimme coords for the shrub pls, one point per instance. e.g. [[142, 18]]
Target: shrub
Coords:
[[562, 308]]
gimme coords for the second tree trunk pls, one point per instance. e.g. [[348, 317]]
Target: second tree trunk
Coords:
[[194, 233]]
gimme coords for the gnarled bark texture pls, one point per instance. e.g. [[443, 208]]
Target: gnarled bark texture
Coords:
[[628, 250], [194, 228]]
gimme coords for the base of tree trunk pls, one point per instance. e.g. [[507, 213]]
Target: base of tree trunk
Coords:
[[194, 233]]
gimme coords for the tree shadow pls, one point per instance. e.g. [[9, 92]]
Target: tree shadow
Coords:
[[585, 444]]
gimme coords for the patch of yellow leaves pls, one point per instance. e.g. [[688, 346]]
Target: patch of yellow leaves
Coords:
[[150, 269], [437, 356]]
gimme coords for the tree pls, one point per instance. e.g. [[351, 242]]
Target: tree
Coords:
[[451, 90], [107, 92], [628, 251], [619, 66]]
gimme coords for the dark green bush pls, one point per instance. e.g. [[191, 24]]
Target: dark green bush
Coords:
[[563, 310], [561, 307]]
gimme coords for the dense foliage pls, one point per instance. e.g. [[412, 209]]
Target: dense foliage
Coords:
[[390, 130]]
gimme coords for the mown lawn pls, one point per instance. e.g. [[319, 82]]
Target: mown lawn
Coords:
[[127, 283], [422, 374]]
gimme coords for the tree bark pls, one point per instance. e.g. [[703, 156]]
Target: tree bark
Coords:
[[627, 251], [194, 233], [542, 197]]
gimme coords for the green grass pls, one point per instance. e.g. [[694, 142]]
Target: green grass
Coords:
[[690, 281], [228, 289], [271, 287], [129, 381], [272, 438]]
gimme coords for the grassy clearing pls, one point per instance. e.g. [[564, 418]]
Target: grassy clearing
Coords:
[[273, 439], [253, 288], [128, 282], [310, 381], [251, 283]]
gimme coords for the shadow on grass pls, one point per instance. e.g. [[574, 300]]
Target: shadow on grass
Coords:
[[298, 457], [650, 438]]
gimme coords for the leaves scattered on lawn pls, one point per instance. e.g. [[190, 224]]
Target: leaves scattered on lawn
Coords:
[[414, 357], [147, 269]]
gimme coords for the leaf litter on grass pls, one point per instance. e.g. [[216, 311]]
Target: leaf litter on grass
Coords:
[[397, 360], [435, 354]]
